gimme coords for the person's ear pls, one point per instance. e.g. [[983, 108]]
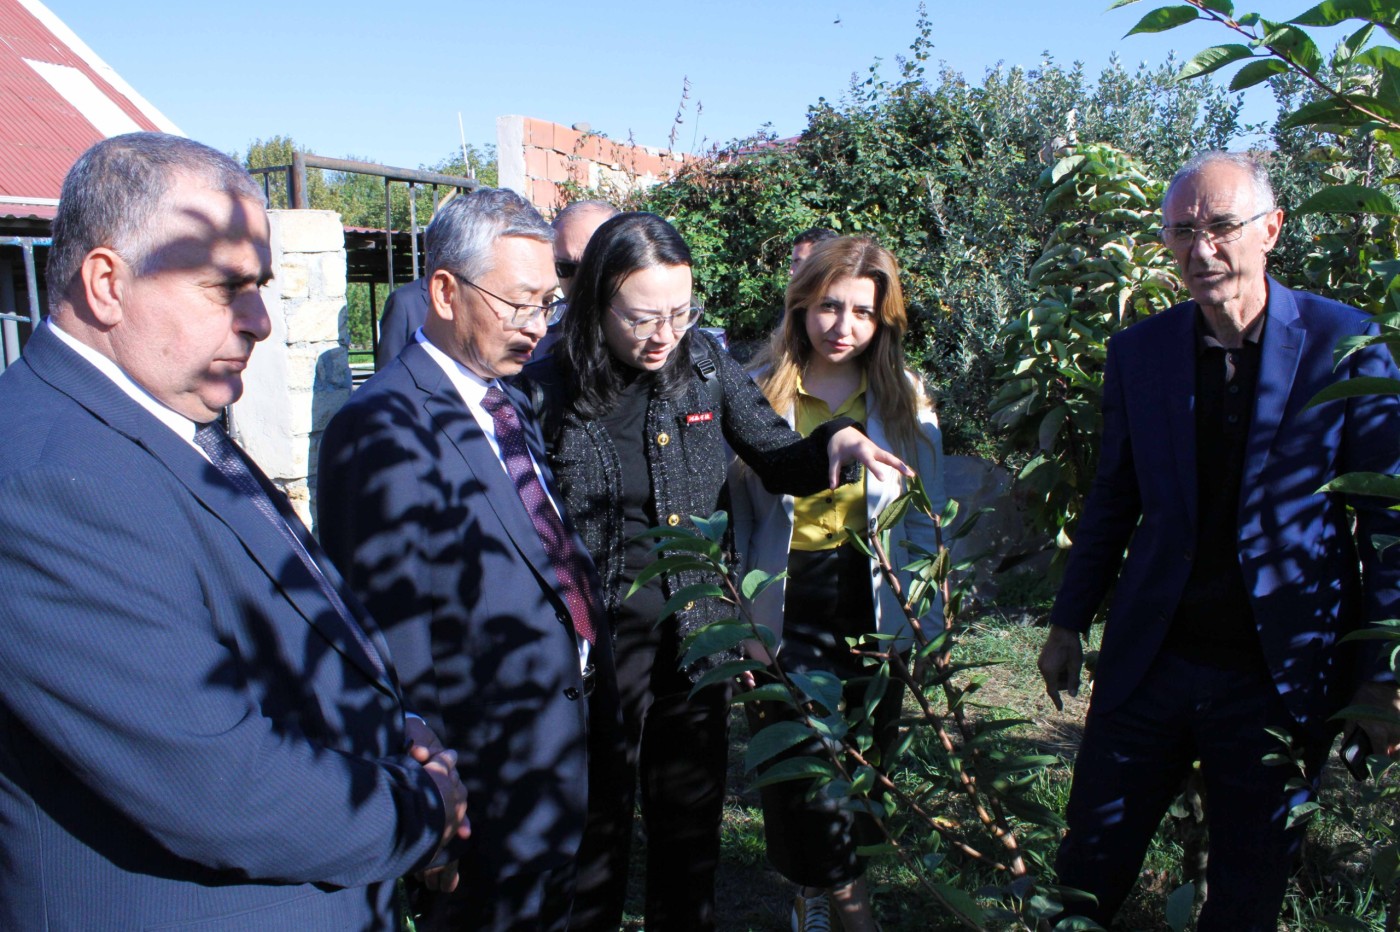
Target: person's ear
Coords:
[[105, 279], [442, 288]]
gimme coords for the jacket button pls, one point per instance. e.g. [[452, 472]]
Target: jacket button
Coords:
[[571, 693], [563, 619], [689, 606], [663, 438], [673, 520]]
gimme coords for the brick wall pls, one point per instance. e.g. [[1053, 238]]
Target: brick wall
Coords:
[[537, 156]]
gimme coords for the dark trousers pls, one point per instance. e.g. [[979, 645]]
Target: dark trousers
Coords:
[[1131, 765], [811, 838], [524, 902], [678, 747]]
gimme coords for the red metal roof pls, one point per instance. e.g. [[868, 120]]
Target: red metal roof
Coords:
[[42, 131]]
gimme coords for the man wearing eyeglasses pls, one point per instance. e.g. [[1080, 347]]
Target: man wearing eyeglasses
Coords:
[[436, 501], [1239, 576]]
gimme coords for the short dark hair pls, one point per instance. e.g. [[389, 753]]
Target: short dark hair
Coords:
[[112, 197], [625, 244], [814, 235]]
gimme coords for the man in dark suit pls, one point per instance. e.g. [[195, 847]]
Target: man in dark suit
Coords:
[[198, 725], [404, 312], [437, 503], [1239, 577]]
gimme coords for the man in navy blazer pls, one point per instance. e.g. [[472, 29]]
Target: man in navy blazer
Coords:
[[198, 726], [417, 507], [1239, 576]]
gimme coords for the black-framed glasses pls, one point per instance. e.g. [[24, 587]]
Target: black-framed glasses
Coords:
[[1222, 231], [565, 269], [644, 328], [521, 315]]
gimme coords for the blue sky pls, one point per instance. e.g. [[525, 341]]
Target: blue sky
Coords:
[[385, 81]]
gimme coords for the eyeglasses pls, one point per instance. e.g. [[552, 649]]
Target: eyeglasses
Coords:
[[522, 315], [1223, 231], [644, 328], [565, 269]]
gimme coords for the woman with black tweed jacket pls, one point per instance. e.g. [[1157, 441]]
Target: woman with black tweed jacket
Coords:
[[637, 416]]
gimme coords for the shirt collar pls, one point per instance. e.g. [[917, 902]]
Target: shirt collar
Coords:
[[860, 390], [469, 385], [1205, 340], [182, 425]]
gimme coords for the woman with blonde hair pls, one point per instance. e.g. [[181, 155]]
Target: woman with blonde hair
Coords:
[[838, 353]]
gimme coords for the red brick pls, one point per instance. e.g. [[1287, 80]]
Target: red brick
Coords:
[[566, 140], [536, 162], [544, 194], [558, 166], [592, 148], [540, 133]]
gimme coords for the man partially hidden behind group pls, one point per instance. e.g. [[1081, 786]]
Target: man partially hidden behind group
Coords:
[[199, 726], [438, 504], [1240, 577]]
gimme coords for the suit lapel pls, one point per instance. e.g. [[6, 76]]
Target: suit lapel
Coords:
[[1278, 363], [451, 417], [73, 376], [1175, 370]]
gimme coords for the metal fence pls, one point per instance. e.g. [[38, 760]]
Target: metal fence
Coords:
[[17, 251], [369, 269]]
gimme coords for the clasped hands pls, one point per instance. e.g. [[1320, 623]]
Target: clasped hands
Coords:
[[441, 766]]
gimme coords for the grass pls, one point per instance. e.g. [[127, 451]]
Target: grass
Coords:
[[752, 896]]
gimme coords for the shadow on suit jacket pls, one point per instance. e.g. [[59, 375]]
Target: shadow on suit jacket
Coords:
[[190, 734], [1310, 579], [419, 513]]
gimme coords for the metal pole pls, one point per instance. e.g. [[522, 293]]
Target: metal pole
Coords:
[[298, 195], [389, 231], [413, 222], [374, 324], [9, 330]]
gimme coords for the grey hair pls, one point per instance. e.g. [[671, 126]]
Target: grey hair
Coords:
[[582, 207], [1258, 174], [463, 234], [112, 197]]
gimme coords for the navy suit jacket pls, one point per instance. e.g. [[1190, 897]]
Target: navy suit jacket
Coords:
[[404, 312], [190, 735], [416, 508], [1309, 579]]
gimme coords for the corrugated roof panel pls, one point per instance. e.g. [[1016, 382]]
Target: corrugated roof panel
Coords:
[[41, 132]]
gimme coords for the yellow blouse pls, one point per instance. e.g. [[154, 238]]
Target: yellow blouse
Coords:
[[822, 521]]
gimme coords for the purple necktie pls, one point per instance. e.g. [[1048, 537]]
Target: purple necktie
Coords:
[[567, 561], [228, 460]]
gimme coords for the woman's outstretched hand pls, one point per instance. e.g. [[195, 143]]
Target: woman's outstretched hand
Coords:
[[849, 445]]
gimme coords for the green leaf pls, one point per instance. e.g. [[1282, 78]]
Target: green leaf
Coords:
[[1117, 3], [724, 672], [1348, 199], [1223, 7], [768, 692], [1302, 813], [666, 565], [1381, 56], [1343, 111], [961, 904], [1366, 713], [714, 638], [774, 739], [795, 768], [1356, 387], [1295, 45], [1332, 12], [895, 511], [1065, 166], [1365, 483], [755, 581], [1164, 18], [1212, 59], [821, 687], [691, 544], [712, 527], [1179, 904], [1256, 72], [688, 594]]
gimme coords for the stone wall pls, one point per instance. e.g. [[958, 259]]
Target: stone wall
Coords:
[[537, 157], [300, 375]]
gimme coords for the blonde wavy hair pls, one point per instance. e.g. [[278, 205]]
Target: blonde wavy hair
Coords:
[[894, 392]]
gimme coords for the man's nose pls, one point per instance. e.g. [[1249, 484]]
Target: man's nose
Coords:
[[252, 317]]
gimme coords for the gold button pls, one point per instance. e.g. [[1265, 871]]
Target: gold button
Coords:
[[689, 606], [673, 520], [663, 438]]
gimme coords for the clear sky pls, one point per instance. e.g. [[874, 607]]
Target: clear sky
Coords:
[[385, 81]]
